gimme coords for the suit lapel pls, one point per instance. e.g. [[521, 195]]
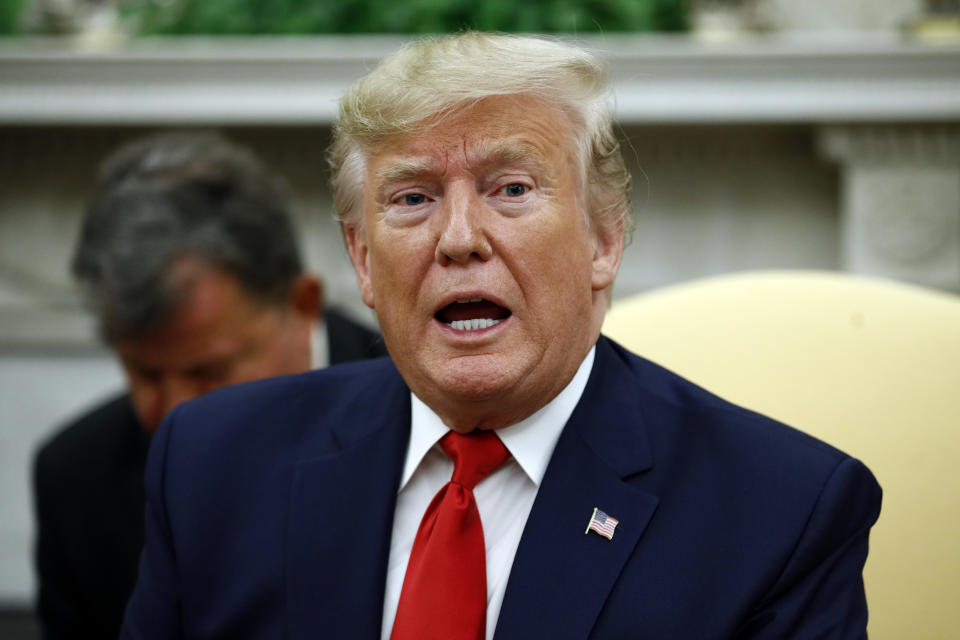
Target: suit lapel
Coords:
[[561, 576], [340, 518]]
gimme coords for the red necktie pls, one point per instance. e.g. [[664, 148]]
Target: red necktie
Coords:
[[444, 595]]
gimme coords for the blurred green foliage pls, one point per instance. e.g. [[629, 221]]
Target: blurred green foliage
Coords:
[[10, 11], [289, 17]]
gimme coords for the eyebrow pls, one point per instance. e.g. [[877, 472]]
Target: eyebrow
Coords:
[[403, 170], [489, 153], [509, 152]]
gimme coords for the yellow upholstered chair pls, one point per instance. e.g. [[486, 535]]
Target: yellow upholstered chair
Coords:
[[870, 366]]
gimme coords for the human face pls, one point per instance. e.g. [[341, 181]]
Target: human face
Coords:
[[476, 252], [216, 335]]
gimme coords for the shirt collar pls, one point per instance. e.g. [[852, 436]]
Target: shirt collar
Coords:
[[530, 441]]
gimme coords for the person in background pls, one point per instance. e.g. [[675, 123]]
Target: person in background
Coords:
[[509, 473], [188, 257]]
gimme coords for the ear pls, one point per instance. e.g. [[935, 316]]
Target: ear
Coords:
[[607, 253], [306, 297], [360, 257]]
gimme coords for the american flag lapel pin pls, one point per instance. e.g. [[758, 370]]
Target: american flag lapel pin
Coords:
[[602, 524]]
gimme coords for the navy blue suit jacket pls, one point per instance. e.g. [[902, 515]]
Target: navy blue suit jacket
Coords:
[[270, 508]]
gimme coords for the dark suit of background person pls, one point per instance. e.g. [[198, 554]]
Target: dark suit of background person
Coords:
[[486, 230], [210, 196]]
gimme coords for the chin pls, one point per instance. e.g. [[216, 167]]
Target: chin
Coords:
[[476, 378]]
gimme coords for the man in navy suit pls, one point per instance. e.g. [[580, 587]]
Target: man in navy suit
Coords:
[[485, 206]]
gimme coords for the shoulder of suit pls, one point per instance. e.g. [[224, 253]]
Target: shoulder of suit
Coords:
[[286, 404], [101, 430], [711, 416], [88, 452], [355, 376]]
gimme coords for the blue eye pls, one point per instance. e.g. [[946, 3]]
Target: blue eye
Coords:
[[414, 199], [515, 189]]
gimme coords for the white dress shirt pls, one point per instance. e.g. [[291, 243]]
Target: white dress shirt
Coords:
[[504, 498]]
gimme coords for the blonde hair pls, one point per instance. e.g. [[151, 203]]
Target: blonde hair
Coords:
[[428, 79]]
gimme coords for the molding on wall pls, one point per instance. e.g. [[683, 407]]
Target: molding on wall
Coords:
[[892, 145], [657, 79], [901, 200]]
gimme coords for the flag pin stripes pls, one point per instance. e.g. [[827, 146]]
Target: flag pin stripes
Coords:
[[602, 524]]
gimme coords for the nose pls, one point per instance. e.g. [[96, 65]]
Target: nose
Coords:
[[462, 236]]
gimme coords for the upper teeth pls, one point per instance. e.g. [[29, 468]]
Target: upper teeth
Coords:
[[470, 300], [473, 324]]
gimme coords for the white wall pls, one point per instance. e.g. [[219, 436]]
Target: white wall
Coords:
[[37, 394]]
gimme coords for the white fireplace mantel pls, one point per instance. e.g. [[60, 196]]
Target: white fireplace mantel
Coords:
[[854, 78]]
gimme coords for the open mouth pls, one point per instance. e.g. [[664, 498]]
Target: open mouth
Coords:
[[472, 315]]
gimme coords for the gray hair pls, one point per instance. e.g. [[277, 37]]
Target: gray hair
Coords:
[[175, 195], [429, 79]]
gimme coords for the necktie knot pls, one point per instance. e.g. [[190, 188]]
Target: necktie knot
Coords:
[[475, 456]]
